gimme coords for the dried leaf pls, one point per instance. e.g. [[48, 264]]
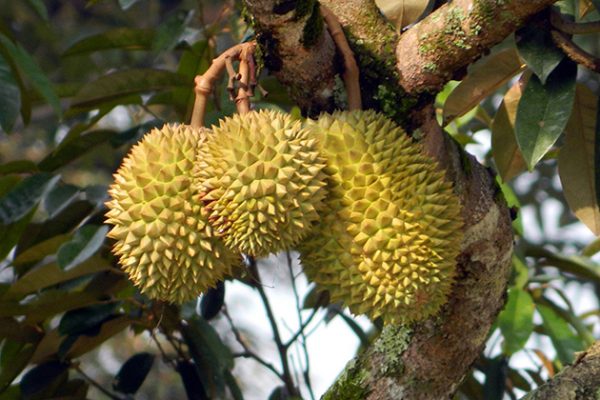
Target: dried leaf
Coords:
[[578, 160], [505, 150], [403, 12], [482, 81]]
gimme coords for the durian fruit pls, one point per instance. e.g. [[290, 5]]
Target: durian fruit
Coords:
[[387, 243], [164, 240], [261, 177]]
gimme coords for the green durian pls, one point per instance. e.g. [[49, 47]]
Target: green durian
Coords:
[[387, 243], [163, 239], [261, 178]]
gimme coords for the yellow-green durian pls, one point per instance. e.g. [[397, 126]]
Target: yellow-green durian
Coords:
[[261, 177], [387, 243], [163, 239]]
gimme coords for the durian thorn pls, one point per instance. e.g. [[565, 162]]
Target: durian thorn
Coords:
[[204, 84], [351, 72]]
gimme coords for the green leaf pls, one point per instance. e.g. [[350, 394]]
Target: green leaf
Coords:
[[579, 160], [195, 60], [10, 97], [521, 272], [119, 38], [128, 82], [505, 149], [41, 376], [86, 242], [133, 373], [564, 340], [192, 383], [544, 111], [212, 301], [126, 4], [495, 379], [51, 274], [75, 147], [18, 331], [40, 8], [170, 31], [85, 344], [539, 51], [210, 354], [25, 196], [81, 320], [28, 67], [58, 198], [516, 320], [14, 357], [18, 167], [576, 265], [482, 80]]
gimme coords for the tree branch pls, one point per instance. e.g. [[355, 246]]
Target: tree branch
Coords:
[[455, 35], [577, 382], [427, 360]]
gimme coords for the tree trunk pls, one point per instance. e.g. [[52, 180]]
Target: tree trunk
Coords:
[[399, 77]]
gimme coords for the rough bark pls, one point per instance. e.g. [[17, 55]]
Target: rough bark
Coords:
[[296, 49], [580, 381], [433, 51], [427, 360]]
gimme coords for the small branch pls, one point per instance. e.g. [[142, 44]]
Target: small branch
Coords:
[[573, 28], [248, 353], [95, 384], [578, 381], [303, 325], [574, 52], [205, 82], [351, 73], [166, 358], [287, 375]]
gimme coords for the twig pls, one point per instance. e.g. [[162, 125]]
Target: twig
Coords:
[[248, 353], [95, 384], [287, 376], [242, 100], [205, 83], [303, 325], [351, 72], [573, 28], [574, 52], [166, 358]]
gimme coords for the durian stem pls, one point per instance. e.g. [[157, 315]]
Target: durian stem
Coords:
[[242, 100], [351, 72], [204, 84]]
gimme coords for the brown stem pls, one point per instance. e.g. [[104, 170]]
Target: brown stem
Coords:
[[281, 348], [454, 36], [204, 84], [573, 28], [242, 100], [351, 73], [578, 381], [574, 52]]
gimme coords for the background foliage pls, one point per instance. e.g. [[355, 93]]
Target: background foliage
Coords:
[[81, 81]]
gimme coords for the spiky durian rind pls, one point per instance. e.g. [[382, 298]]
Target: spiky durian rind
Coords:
[[386, 246], [163, 239], [261, 177]]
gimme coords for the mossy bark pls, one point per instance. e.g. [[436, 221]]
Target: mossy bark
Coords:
[[580, 381], [427, 360]]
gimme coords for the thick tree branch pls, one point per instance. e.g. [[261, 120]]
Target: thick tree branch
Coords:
[[296, 49], [456, 34], [427, 360], [580, 381]]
